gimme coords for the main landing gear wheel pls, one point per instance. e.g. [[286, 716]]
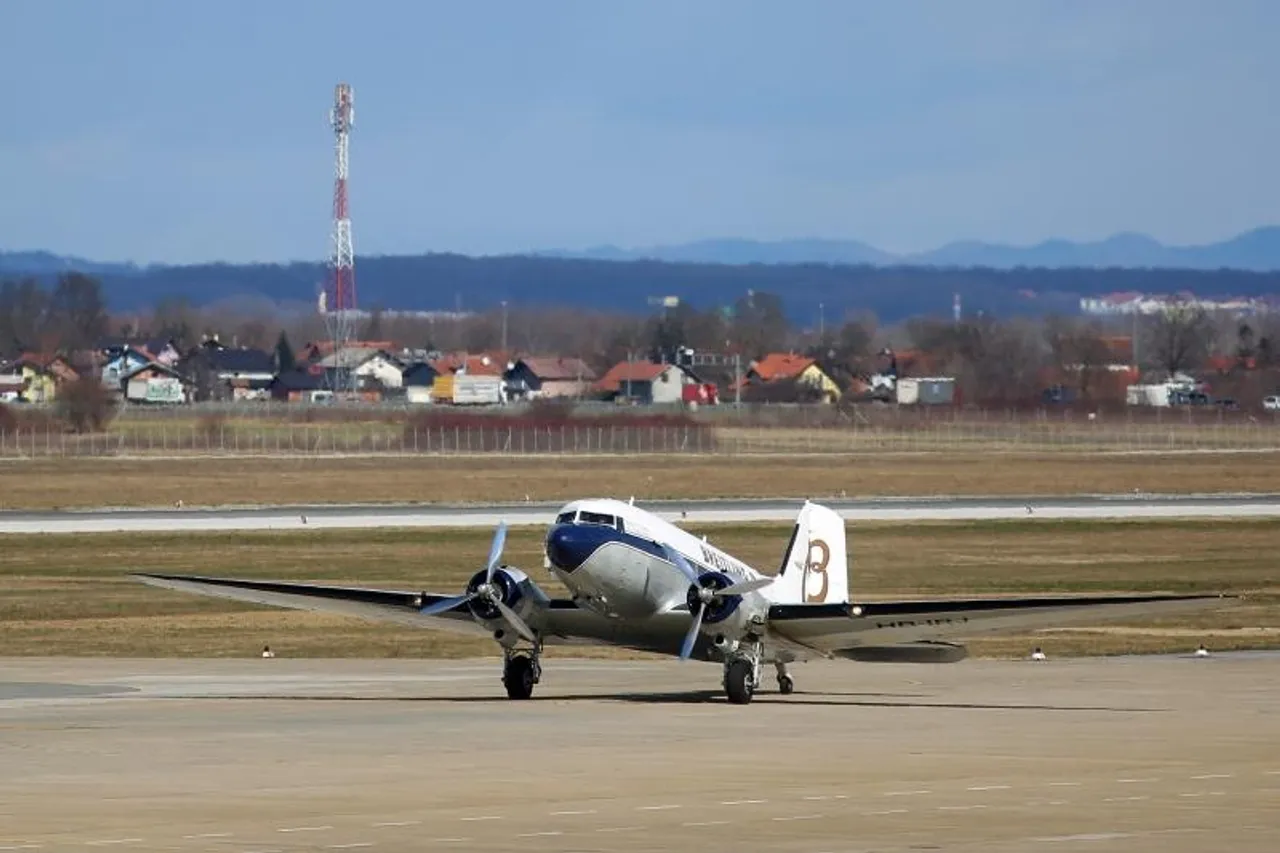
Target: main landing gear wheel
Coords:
[[519, 675], [739, 682]]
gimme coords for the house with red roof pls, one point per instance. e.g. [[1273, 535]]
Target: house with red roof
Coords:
[[549, 376], [779, 369], [42, 375], [481, 364], [645, 382]]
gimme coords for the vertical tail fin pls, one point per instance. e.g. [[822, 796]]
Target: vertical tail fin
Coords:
[[815, 568]]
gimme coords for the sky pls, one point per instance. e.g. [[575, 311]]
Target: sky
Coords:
[[192, 131]]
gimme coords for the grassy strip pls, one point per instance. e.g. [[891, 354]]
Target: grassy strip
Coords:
[[69, 595], [68, 483]]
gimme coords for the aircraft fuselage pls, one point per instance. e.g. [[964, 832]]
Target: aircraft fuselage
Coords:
[[609, 554]]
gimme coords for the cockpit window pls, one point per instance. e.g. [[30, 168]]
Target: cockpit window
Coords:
[[585, 517], [565, 517]]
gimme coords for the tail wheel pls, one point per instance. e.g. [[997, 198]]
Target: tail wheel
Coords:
[[739, 682], [518, 677]]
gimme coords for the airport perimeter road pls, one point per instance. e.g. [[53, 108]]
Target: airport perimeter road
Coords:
[[1167, 755], [541, 513]]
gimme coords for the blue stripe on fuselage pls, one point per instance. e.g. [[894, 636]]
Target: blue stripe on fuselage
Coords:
[[570, 545]]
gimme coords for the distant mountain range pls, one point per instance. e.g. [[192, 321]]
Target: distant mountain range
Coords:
[[1257, 250], [47, 263]]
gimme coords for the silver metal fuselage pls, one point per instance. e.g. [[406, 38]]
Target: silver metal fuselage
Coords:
[[609, 555]]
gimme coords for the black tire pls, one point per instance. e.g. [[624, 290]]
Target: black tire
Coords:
[[517, 677], [786, 685], [737, 682]]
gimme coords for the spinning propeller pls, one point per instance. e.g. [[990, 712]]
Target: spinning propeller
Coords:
[[706, 595], [487, 591]]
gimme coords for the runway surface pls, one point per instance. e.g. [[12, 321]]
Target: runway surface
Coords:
[[1169, 754], [539, 513]]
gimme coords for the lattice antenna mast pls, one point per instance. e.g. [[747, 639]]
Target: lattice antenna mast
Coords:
[[341, 299]]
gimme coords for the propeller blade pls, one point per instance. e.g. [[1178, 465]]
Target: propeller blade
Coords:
[[446, 605], [495, 550], [744, 587], [690, 638], [516, 622], [680, 563]]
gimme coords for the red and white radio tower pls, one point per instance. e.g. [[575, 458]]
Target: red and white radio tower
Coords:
[[340, 295]]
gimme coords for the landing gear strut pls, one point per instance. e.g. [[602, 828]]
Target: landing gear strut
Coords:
[[786, 684], [520, 671]]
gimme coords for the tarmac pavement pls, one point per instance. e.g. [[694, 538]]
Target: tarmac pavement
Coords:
[[1125, 754]]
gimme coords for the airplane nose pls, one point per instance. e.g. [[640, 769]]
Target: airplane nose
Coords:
[[569, 546]]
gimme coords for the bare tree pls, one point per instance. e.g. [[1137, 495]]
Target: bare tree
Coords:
[[1005, 360], [759, 324], [1179, 338], [178, 320], [24, 315], [78, 311], [1267, 340], [1078, 351]]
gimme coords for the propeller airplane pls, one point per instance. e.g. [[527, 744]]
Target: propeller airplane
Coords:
[[640, 582]]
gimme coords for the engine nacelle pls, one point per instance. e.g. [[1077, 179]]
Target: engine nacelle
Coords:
[[516, 589], [732, 616]]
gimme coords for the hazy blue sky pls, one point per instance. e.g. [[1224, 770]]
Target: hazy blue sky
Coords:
[[182, 130]]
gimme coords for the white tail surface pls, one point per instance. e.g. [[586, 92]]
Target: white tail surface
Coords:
[[815, 569]]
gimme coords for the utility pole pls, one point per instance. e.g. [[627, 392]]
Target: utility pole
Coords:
[[737, 381], [1137, 365], [504, 326], [630, 362]]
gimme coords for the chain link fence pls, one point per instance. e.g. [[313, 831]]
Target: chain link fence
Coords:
[[218, 437]]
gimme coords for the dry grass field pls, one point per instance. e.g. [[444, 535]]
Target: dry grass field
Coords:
[[68, 483], [69, 595]]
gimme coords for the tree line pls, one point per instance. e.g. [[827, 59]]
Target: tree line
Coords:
[[71, 316], [445, 282], [1002, 359]]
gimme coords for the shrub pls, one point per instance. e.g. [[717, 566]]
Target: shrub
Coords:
[[543, 428], [85, 404]]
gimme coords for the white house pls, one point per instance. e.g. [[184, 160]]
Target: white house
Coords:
[[369, 365], [645, 382], [128, 360], [382, 368]]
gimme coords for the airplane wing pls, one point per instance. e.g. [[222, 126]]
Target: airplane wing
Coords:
[[841, 630], [562, 622], [379, 605]]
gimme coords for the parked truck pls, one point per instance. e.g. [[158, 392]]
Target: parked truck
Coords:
[[467, 390]]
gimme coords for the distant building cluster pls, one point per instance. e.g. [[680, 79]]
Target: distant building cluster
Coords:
[[1133, 302]]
